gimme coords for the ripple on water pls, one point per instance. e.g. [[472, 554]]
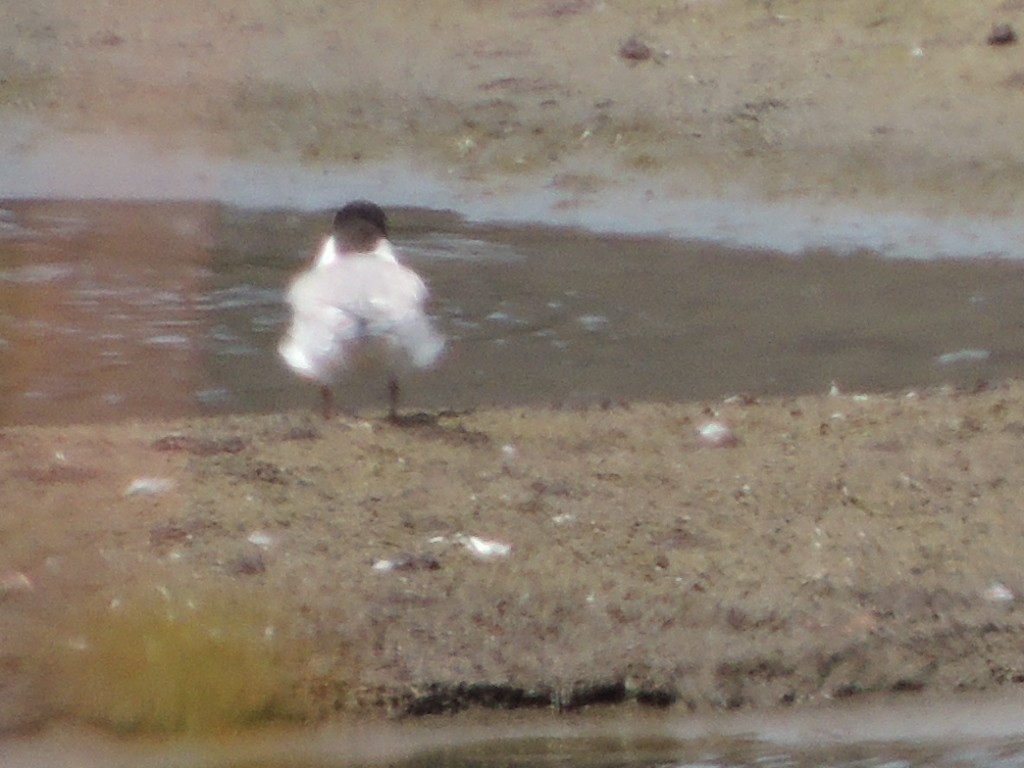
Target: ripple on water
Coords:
[[169, 340], [532, 315], [443, 247], [239, 297], [36, 274]]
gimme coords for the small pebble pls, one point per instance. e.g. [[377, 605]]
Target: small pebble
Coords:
[[509, 454], [997, 592], [261, 539], [485, 549], [13, 582], [1002, 34], [148, 486], [635, 50], [717, 434]]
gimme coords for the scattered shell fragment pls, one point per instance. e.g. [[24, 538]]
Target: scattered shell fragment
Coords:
[[485, 549], [509, 454], [717, 434], [13, 582], [997, 592], [261, 539], [148, 486]]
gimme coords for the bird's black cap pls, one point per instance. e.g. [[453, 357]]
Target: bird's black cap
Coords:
[[359, 226]]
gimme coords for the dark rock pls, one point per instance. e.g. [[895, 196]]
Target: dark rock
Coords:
[[1002, 34], [635, 50]]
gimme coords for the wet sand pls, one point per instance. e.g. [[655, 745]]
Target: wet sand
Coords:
[[877, 105], [842, 546]]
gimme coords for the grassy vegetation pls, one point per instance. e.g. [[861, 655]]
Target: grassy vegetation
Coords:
[[173, 663]]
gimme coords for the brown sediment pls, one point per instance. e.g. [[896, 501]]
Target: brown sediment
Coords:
[[877, 104], [841, 546]]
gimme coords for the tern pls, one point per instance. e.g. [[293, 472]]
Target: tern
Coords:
[[357, 302]]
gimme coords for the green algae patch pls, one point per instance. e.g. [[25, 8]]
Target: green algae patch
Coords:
[[173, 664]]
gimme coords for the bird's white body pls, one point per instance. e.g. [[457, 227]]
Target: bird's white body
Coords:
[[348, 305]]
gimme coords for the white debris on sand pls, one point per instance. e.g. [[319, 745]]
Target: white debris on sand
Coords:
[[717, 434], [149, 486], [484, 549], [509, 454], [14, 582], [261, 539], [997, 592]]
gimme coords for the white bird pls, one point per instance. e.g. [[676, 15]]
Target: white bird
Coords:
[[357, 300]]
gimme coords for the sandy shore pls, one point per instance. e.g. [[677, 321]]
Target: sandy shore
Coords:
[[842, 546], [875, 104], [289, 568]]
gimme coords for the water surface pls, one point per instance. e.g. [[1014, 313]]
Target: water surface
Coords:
[[115, 310], [946, 736]]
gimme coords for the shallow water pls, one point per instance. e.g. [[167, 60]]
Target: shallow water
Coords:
[[114, 310], [736, 753], [952, 738], [38, 162]]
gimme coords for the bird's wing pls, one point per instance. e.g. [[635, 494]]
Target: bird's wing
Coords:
[[337, 305], [382, 294]]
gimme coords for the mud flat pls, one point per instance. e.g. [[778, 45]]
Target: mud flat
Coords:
[[829, 547], [789, 123]]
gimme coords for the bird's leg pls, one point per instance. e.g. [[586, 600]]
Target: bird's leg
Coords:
[[328, 401], [393, 399]]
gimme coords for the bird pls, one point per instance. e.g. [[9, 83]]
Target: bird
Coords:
[[356, 302]]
